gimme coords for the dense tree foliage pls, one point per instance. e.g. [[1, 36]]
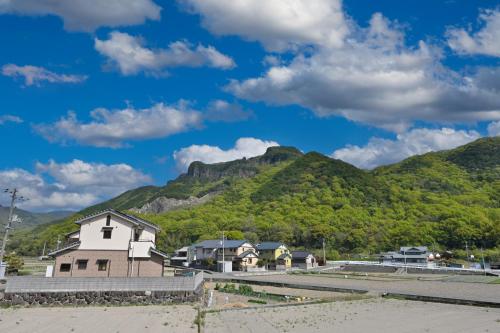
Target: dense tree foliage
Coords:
[[437, 199]]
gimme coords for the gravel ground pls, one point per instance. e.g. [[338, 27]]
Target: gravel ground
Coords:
[[374, 316], [127, 319], [469, 291]]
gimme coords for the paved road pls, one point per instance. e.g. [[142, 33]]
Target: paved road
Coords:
[[458, 290]]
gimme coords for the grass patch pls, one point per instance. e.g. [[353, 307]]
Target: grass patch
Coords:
[[246, 290], [257, 301], [497, 281]]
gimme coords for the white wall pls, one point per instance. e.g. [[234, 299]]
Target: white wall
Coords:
[[91, 234]]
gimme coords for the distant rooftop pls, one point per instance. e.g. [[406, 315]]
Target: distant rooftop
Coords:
[[301, 254], [269, 245], [217, 243]]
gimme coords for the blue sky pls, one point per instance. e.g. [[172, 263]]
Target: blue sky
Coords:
[[98, 98]]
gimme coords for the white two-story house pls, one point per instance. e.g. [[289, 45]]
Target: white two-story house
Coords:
[[110, 244]]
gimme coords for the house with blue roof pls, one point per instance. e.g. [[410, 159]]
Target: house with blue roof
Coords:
[[276, 254], [240, 253]]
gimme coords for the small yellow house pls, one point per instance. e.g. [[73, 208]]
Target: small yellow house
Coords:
[[276, 253]]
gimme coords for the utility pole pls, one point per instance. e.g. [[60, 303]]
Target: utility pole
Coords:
[[223, 262], [467, 252], [482, 258], [8, 226], [324, 253]]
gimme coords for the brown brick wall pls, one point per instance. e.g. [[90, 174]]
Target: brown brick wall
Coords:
[[118, 264], [148, 267]]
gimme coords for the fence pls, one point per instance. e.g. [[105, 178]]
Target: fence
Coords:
[[35, 284], [416, 267]]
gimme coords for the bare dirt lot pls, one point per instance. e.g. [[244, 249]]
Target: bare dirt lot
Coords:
[[446, 289], [377, 315], [127, 319], [374, 315]]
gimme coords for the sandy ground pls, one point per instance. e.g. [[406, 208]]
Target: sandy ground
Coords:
[[476, 291], [129, 319], [374, 315], [380, 315]]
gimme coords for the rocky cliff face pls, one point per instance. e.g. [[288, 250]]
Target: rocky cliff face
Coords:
[[243, 168], [164, 204]]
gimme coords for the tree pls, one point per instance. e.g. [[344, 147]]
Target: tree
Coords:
[[14, 263]]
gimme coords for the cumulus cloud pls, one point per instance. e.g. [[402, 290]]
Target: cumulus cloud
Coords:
[[34, 75], [112, 128], [10, 118], [375, 78], [417, 141], [73, 185], [219, 110], [130, 56], [486, 41], [244, 147], [277, 24], [494, 128], [86, 15]]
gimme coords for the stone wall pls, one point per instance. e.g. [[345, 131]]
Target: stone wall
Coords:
[[41, 291], [100, 298]]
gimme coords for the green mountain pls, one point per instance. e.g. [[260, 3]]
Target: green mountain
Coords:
[[30, 219], [439, 199]]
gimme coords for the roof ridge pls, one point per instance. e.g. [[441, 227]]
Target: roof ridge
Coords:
[[119, 213]]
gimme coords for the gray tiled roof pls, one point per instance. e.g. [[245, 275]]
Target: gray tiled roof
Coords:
[[408, 248], [269, 245], [158, 252], [65, 248], [300, 254], [130, 218], [217, 243], [284, 255], [246, 253]]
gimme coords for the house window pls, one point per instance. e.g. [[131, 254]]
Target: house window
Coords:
[[82, 264], [108, 220], [65, 268], [106, 234], [102, 265]]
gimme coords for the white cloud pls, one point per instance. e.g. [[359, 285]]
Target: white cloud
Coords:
[[112, 128], [34, 75], [494, 128], [380, 151], [485, 41], [86, 15], [219, 110], [10, 118], [131, 57], [277, 24], [74, 185], [244, 147], [374, 78]]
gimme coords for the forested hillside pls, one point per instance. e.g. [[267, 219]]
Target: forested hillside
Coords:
[[438, 199]]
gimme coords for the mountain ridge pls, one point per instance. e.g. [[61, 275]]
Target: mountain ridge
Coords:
[[439, 199]]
